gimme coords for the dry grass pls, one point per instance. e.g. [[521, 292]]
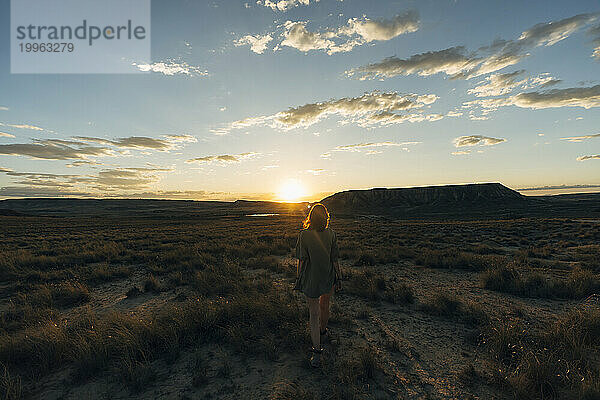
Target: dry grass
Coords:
[[49, 266], [558, 362]]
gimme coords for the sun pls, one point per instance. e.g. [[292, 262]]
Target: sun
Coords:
[[291, 190]]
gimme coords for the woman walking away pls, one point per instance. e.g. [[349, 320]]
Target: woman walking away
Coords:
[[318, 273]]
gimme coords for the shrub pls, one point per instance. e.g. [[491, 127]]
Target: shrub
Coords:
[[152, 284], [365, 259], [558, 361], [508, 279], [400, 294], [447, 305]]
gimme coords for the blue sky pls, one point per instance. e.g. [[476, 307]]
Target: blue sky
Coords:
[[344, 95]]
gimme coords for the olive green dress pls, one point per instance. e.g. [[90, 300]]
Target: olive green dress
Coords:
[[317, 252]]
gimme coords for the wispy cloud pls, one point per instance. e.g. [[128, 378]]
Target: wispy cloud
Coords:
[[23, 126], [362, 146], [4, 134], [79, 147], [500, 84], [474, 140], [374, 108], [595, 33], [283, 5], [223, 158], [257, 43], [106, 180], [54, 151], [581, 138], [592, 157], [457, 62], [356, 32], [171, 67], [558, 187], [2, 108], [586, 97]]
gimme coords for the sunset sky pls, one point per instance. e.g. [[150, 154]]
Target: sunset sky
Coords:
[[297, 99]]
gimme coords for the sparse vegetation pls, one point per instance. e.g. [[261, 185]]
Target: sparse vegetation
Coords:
[[185, 285], [559, 362], [508, 278], [447, 305]]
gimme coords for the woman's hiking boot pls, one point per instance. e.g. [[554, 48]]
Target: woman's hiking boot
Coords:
[[315, 358]]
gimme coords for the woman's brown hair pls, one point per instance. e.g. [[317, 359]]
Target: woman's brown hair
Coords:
[[318, 218]]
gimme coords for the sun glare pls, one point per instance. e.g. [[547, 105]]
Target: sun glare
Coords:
[[292, 190]]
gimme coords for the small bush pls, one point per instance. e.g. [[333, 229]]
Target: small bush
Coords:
[[508, 279], [366, 283], [152, 284], [400, 294], [365, 259], [447, 305]]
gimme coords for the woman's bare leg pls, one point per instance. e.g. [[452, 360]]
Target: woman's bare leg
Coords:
[[313, 309], [324, 310]]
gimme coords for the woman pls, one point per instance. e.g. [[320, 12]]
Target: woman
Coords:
[[318, 273]]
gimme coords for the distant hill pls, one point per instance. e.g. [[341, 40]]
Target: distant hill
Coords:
[[379, 198], [484, 200]]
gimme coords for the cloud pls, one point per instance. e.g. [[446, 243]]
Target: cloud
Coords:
[[474, 140], [595, 33], [581, 138], [2, 108], [181, 138], [171, 68], [450, 61], [125, 178], [4, 134], [583, 158], [79, 148], [283, 5], [257, 43], [23, 126], [224, 158], [80, 163], [371, 108], [457, 62], [362, 146], [140, 142], [550, 33], [297, 36], [461, 153], [586, 97], [499, 84], [356, 32], [53, 151], [107, 180], [555, 187], [21, 191], [316, 171], [383, 29]]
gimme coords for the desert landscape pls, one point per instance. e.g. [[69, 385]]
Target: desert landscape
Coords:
[[193, 300]]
